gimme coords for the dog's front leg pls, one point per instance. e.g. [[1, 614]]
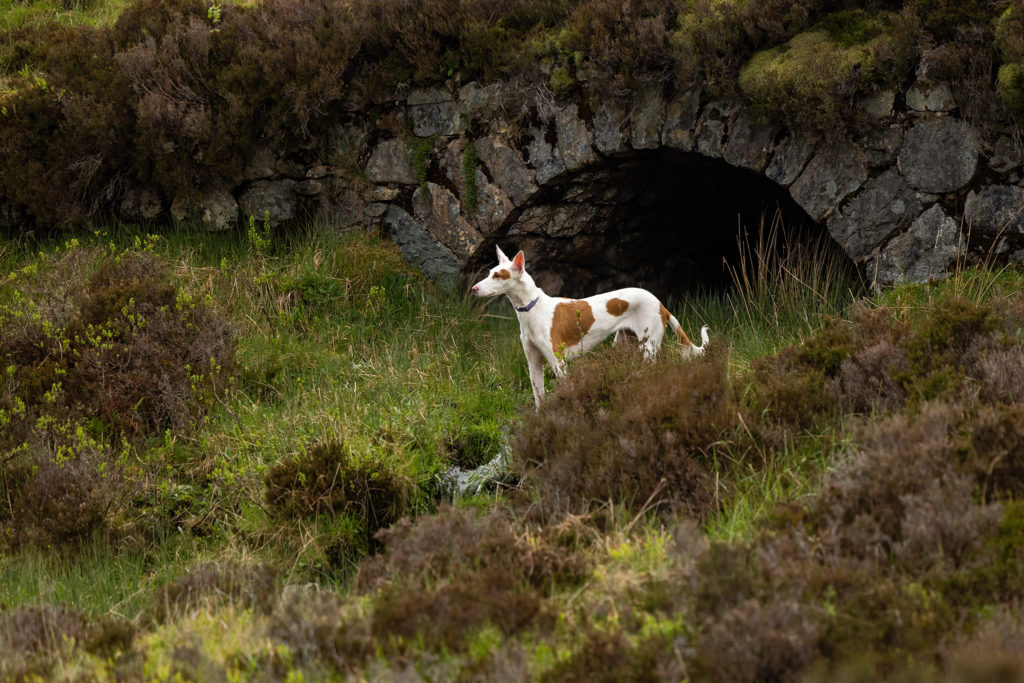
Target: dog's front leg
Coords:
[[535, 360]]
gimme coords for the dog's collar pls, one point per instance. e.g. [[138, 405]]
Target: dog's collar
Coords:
[[527, 307]]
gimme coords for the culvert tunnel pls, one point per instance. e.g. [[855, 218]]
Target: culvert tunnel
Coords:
[[664, 220]]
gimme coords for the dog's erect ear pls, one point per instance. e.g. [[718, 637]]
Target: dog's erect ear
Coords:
[[501, 255], [519, 262]]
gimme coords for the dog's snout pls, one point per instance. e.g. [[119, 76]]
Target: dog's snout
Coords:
[[476, 289]]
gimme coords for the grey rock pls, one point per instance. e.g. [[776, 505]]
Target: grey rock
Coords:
[[309, 187], [878, 105], [432, 112], [185, 208], [219, 211], [544, 157], [438, 210], [610, 127], [930, 97], [940, 155], [886, 205], [274, 198], [391, 162], [749, 142], [492, 205], [574, 139], [790, 158], [712, 127], [926, 251], [507, 168], [375, 209], [681, 119], [141, 204], [995, 210], [647, 120], [833, 173], [882, 145], [317, 172], [1006, 155], [383, 193], [421, 249], [346, 145]]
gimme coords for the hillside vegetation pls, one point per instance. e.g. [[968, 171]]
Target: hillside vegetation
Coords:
[[224, 457], [179, 95]]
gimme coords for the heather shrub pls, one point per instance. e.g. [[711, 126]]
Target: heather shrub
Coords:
[[903, 496], [326, 478], [33, 639], [252, 587], [447, 575], [96, 358], [621, 429]]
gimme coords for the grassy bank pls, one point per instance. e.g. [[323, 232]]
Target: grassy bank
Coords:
[[295, 526]]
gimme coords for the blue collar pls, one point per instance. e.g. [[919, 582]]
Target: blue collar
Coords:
[[527, 307]]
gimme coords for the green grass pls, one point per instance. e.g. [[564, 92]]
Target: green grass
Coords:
[[339, 339], [16, 13]]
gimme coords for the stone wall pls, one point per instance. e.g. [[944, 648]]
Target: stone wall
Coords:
[[908, 198]]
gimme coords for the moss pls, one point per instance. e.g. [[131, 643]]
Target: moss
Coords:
[[421, 150], [813, 72], [1010, 86], [562, 83]]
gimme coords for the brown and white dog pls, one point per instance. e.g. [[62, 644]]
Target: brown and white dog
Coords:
[[556, 329]]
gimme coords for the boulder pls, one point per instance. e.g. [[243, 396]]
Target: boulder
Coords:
[[790, 157], [610, 127], [544, 157], [647, 120], [219, 211], [930, 97], [141, 204], [275, 199], [886, 205], [995, 211], [833, 173], [421, 249], [749, 142], [711, 129], [432, 112], [926, 251], [574, 138], [681, 119], [438, 210], [507, 168], [939, 156], [391, 162]]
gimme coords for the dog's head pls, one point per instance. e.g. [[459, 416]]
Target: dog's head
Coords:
[[503, 277]]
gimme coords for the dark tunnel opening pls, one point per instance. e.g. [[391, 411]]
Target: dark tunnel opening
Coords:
[[664, 220]]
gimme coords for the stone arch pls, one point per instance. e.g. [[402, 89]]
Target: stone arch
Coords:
[[889, 195]]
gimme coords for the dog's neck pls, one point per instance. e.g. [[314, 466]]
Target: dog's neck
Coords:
[[524, 292]]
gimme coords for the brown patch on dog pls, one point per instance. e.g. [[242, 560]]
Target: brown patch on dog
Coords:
[[680, 335], [571, 321], [616, 306], [502, 275]]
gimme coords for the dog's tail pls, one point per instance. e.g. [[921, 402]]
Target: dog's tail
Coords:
[[689, 348]]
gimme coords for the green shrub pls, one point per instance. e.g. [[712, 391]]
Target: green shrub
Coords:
[[326, 479]]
